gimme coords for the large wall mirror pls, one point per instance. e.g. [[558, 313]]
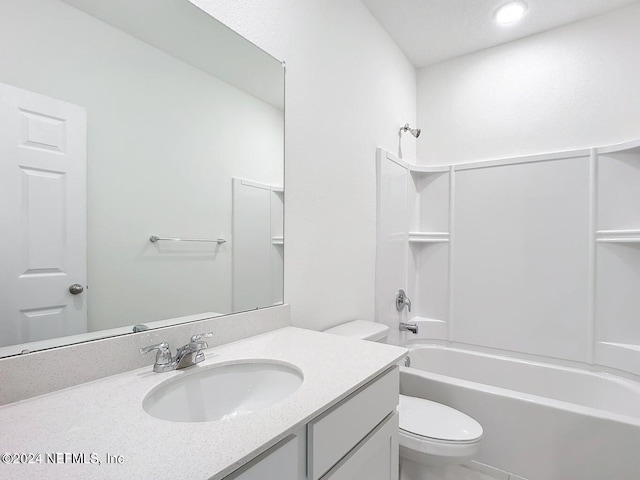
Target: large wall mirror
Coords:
[[141, 170]]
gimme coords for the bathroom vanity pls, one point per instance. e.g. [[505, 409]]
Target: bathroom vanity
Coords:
[[339, 423], [355, 439]]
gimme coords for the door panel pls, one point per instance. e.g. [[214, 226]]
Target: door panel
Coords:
[[257, 262], [43, 216]]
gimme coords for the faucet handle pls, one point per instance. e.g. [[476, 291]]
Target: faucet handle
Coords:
[[198, 336], [402, 300], [163, 356]]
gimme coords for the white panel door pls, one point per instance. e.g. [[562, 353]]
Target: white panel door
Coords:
[[42, 215]]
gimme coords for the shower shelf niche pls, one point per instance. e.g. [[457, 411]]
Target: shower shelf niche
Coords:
[[429, 236], [617, 257], [429, 197], [428, 284]]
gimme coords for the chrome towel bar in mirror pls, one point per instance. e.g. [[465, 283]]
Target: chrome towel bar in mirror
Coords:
[[154, 239]]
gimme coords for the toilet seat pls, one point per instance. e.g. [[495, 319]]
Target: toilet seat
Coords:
[[433, 429]]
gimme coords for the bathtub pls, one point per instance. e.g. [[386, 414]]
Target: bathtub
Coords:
[[540, 421]]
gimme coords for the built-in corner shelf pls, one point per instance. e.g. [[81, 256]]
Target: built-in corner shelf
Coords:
[[418, 318], [429, 169], [626, 346], [618, 236], [277, 240], [429, 328], [428, 237]]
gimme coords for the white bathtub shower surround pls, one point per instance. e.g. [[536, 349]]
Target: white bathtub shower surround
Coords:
[[541, 421], [107, 416], [534, 256]]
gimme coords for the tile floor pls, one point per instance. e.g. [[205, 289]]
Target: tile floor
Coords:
[[478, 471], [464, 472], [470, 471]]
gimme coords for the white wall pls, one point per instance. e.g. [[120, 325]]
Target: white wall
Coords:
[[568, 88], [349, 89], [140, 184]]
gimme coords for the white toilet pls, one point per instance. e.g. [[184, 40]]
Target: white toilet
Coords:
[[432, 435]]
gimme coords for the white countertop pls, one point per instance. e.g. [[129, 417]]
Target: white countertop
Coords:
[[106, 416]]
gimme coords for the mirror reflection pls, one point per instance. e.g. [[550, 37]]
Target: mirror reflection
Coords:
[[122, 121]]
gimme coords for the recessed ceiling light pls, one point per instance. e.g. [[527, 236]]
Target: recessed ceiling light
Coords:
[[510, 12]]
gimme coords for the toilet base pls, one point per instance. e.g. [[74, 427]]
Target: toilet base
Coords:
[[439, 455]]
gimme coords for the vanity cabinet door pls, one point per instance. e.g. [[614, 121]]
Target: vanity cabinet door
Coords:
[[280, 462], [336, 432], [375, 458]]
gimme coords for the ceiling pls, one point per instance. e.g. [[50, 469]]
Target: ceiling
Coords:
[[430, 31]]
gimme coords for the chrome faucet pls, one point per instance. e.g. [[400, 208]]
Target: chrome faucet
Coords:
[[192, 353], [408, 327], [402, 300], [186, 356]]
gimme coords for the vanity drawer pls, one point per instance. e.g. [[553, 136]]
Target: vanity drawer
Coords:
[[332, 435]]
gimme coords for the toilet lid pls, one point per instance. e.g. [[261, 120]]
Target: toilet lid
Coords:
[[434, 420]]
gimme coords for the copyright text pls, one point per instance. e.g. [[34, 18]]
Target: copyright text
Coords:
[[91, 458]]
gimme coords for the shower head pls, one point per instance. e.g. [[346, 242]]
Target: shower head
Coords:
[[414, 131]]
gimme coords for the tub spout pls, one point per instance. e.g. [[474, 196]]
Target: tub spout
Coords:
[[408, 327]]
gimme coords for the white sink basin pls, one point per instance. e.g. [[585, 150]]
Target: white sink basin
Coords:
[[222, 392]]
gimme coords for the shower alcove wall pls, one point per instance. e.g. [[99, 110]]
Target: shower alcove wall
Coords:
[[429, 198], [617, 283], [535, 257]]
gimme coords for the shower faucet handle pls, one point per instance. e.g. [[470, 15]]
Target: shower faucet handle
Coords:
[[402, 300]]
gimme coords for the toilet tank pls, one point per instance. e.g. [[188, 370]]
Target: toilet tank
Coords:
[[362, 329]]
